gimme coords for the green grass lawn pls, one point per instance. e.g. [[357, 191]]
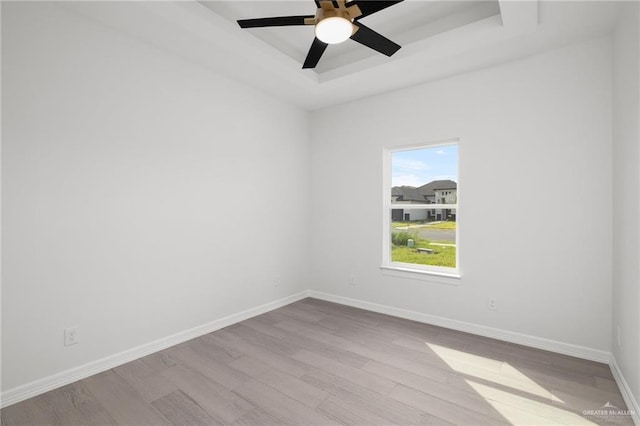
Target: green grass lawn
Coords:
[[442, 255], [423, 224], [441, 225]]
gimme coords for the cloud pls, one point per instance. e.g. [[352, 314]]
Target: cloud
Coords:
[[407, 180], [441, 152], [403, 164]]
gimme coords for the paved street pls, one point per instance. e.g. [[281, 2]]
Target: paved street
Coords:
[[436, 234]]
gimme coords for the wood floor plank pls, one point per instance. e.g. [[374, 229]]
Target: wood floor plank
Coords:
[[324, 344], [385, 324], [365, 342], [455, 359], [547, 374], [263, 327], [513, 406], [348, 327], [490, 348], [607, 384], [516, 383], [515, 416], [149, 383], [338, 386], [250, 366], [451, 339], [210, 349], [257, 417], [88, 413], [524, 352], [262, 340], [360, 398], [407, 328], [348, 313], [293, 387], [338, 320], [28, 413], [580, 366], [349, 414], [68, 397], [181, 410], [286, 409], [468, 399], [122, 401], [580, 397], [275, 360], [316, 332], [432, 368], [301, 314], [329, 351], [444, 409], [277, 316], [159, 361], [73, 404], [214, 398], [356, 375], [208, 367]]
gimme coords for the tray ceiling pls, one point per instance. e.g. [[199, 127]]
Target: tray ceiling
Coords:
[[438, 39]]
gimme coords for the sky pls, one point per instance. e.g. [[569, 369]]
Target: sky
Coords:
[[419, 166]]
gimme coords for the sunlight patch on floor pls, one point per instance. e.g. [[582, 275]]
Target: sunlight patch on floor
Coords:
[[521, 410], [510, 371], [490, 370]]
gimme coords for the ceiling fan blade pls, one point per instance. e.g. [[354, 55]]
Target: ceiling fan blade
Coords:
[[279, 21], [315, 53], [375, 41], [367, 7]]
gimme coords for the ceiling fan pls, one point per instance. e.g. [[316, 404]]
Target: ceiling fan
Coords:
[[335, 21]]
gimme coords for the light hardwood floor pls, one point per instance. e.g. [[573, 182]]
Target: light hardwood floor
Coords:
[[315, 362]]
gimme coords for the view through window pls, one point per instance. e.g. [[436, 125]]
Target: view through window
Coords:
[[423, 207]]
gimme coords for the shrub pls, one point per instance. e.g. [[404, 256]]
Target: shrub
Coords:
[[400, 238]]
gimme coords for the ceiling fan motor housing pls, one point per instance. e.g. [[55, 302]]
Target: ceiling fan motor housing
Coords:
[[328, 10]]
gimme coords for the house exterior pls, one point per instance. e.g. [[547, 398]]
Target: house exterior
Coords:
[[434, 192]]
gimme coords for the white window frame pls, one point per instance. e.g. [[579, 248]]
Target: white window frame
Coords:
[[412, 268]]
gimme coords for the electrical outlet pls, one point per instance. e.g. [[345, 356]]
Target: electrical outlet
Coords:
[[71, 336], [492, 305]]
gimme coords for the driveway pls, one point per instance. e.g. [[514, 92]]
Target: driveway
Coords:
[[436, 234]]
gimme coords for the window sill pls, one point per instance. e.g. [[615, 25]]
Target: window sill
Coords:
[[449, 278]]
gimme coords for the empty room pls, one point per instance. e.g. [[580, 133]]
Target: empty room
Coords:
[[334, 212]]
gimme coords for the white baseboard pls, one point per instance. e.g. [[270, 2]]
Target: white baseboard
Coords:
[[46, 384], [495, 333], [627, 395]]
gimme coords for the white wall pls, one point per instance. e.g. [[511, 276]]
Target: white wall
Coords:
[[540, 131], [626, 196], [138, 194], [141, 195]]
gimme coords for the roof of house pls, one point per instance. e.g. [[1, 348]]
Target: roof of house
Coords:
[[429, 188], [410, 193]]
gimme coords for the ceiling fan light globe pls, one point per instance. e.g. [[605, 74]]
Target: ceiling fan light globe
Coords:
[[334, 30]]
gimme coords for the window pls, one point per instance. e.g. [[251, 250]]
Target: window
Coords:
[[421, 209]]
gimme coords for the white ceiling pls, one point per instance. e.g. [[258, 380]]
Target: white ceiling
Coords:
[[438, 39], [405, 23]]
